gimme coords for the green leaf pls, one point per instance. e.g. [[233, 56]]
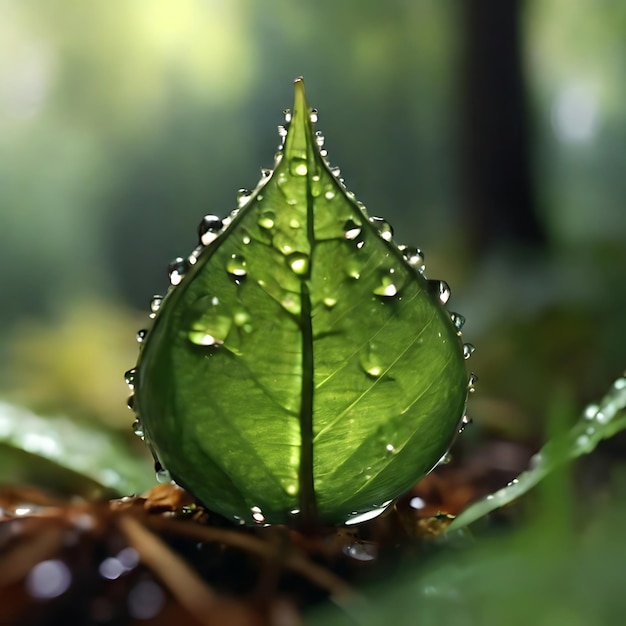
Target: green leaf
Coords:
[[66, 455], [303, 369], [598, 422]]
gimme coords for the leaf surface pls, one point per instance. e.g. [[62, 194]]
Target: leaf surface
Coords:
[[303, 368]]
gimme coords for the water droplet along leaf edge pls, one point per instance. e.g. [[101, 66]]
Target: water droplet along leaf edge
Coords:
[[272, 405]]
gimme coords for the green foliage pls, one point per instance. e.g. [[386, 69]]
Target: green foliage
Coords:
[[545, 572], [66, 455], [304, 364], [598, 422]]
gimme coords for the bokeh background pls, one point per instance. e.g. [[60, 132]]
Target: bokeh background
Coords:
[[490, 134]]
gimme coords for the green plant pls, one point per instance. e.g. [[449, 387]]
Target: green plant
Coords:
[[301, 368]]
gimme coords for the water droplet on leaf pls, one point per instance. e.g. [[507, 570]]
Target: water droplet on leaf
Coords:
[[177, 269], [138, 428], [298, 167], [141, 335], [299, 263], [413, 256], [383, 227], [130, 377], [209, 228], [465, 421], [440, 289], [351, 230], [266, 219], [257, 515], [445, 459], [468, 350], [388, 285], [155, 303], [211, 324], [457, 321], [243, 196], [162, 475], [236, 266]]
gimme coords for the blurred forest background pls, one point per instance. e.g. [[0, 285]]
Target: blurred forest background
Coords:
[[491, 134]]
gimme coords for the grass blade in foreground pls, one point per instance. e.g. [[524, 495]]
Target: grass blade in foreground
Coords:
[[301, 367], [598, 422]]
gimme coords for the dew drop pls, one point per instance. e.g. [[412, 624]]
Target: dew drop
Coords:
[[192, 259], [209, 228], [413, 256], [319, 138], [591, 411], [282, 132], [466, 420], [472, 381], [358, 518], [212, 325], [138, 428], [236, 266], [243, 196], [141, 335], [329, 195], [298, 167], [283, 243], [370, 361], [602, 418], [265, 173], [287, 114], [313, 116], [130, 377], [335, 171], [155, 303], [257, 515], [130, 401], [299, 263], [468, 350], [316, 186], [457, 321], [266, 219], [440, 289], [176, 270], [353, 269], [387, 287], [351, 230], [383, 227], [444, 460], [329, 303], [162, 475]]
